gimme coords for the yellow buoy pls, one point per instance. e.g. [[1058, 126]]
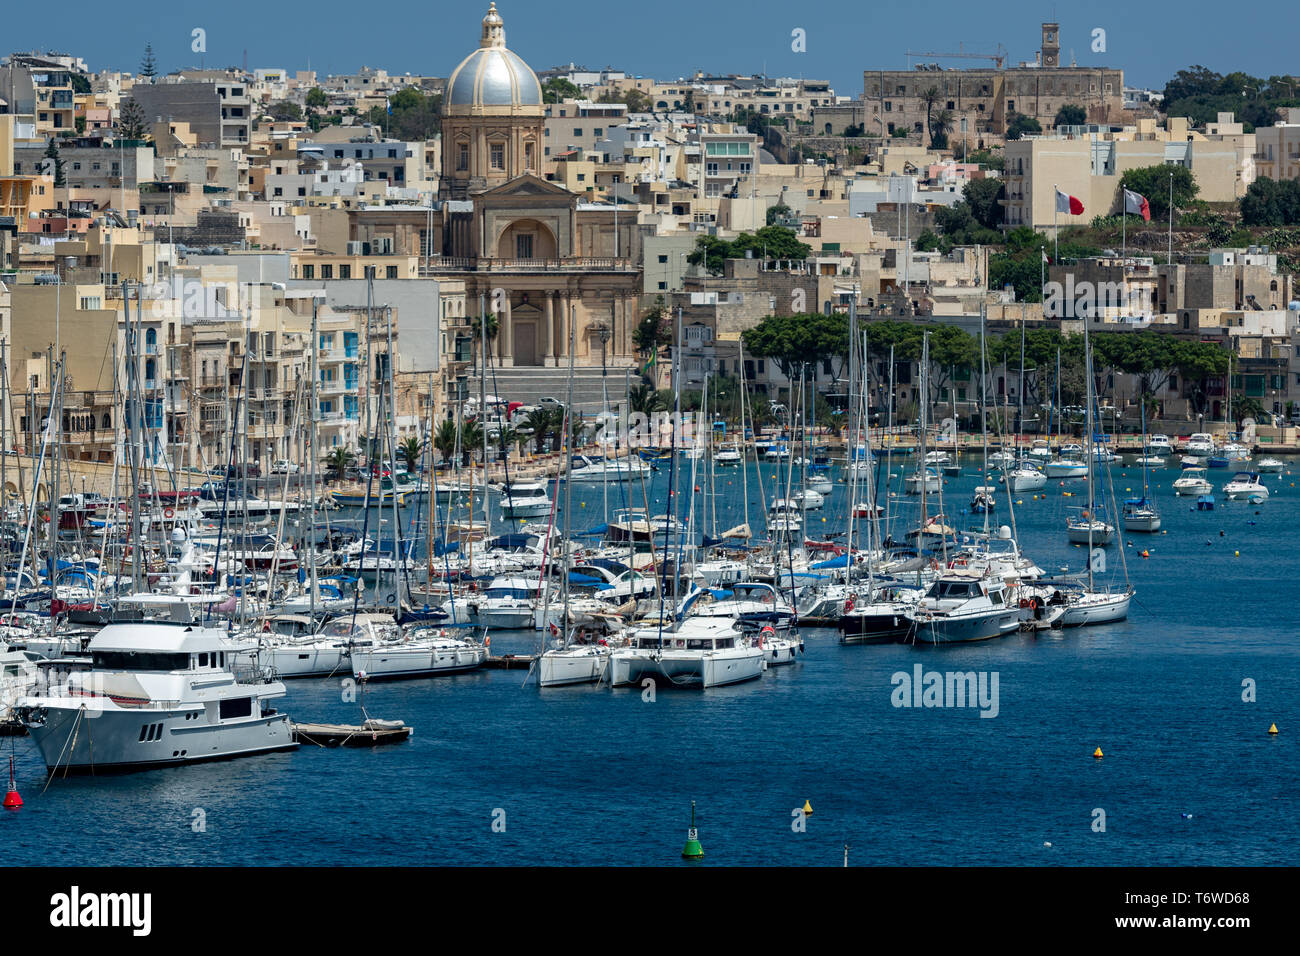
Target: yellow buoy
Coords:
[[1236, 554], [807, 809], [1272, 729], [1097, 753]]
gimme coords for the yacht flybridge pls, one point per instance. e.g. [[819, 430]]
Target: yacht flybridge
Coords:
[[157, 695]]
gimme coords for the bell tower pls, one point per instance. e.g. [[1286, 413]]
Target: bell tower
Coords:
[[1051, 54]]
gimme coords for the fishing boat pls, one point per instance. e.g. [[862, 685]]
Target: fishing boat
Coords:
[[157, 695], [984, 500]]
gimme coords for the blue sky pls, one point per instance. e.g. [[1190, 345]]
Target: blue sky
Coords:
[[671, 38]]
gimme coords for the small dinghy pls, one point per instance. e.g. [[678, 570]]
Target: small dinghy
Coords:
[[372, 733]]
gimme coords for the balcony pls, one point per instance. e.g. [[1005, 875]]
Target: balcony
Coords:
[[444, 264]]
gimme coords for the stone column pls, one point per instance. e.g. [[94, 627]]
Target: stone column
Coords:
[[548, 330], [566, 316], [507, 336]]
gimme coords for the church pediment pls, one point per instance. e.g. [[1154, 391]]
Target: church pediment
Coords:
[[522, 187]]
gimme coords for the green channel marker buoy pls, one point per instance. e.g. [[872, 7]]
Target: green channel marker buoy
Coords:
[[692, 850]]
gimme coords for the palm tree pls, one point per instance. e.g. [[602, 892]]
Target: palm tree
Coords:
[[471, 439], [444, 439], [929, 99], [338, 461], [542, 422], [476, 332], [646, 400], [505, 438], [411, 451], [940, 129]]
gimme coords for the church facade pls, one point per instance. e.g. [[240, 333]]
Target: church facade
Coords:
[[560, 274]]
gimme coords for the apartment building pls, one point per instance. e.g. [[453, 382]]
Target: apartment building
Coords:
[[1277, 147], [1088, 162]]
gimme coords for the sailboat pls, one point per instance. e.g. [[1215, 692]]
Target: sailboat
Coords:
[[1140, 514], [579, 657]]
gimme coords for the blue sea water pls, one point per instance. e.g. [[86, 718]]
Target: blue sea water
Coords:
[[597, 776]]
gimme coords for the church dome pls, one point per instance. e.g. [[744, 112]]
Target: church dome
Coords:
[[492, 75]]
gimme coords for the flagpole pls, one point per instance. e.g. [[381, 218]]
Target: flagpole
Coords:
[[1169, 256], [1056, 229], [1123, 260]]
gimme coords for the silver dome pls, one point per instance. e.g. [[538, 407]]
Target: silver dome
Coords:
[[493, 76]]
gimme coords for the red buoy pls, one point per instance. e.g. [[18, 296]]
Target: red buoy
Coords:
[[12, 800]]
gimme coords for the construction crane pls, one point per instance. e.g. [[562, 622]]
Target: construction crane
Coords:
[[998, 58]]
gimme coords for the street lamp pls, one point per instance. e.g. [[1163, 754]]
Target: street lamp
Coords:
[[605, 333]]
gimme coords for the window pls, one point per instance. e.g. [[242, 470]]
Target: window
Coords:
[[392, 272], [462, 158], [308, 272], [327, 272], [498, 154], [524, 247], [663, 258], [345, 271], [238, 707]]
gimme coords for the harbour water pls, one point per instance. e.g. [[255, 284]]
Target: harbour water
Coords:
[[590, 775]]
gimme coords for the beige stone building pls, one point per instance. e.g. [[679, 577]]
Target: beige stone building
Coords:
[[1277, 147]]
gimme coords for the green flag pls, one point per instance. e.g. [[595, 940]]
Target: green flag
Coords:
[[652, 361]]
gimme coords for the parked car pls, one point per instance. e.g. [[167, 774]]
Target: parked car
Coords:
[[284, 467]]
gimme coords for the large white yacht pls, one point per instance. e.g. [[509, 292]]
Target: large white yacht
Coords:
[[700, 652], [588, 469], [157, 695]]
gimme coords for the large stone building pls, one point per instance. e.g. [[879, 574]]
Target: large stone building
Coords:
[[553, 268], [986, 99]]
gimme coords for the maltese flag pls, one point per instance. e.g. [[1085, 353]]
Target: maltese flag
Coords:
[[1135, 202], [1068, 203]]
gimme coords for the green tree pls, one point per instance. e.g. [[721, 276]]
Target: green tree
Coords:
[[1019, 125], [988, 158], [984, 197], [284, 111], [558, 88], [316, 98], [1071, 114], [653, 329], [52, 152], [471, 441], [929, 99], [1153, 183], [337, 461], [779, 211], [543, 422], [131, 123], [411, 451], [940, 129], [445, 437], [1270, 203], [148, 64], [797, 342], [411, 115], [645, 399]]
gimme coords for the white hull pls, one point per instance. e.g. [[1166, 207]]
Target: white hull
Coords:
[[112, 739], [308, 660], [1096, 608], [961, 628], [1062, 469], [1028, 481], [582, 664], [396, 661], [701, 669]]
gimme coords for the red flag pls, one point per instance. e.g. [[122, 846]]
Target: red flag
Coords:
[[1068, 203], [1135, 202]]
